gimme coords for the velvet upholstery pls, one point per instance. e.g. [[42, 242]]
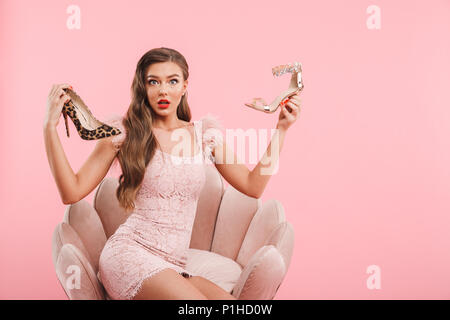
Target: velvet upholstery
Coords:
[[237, 242]]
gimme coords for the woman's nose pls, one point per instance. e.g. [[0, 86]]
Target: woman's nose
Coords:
[[162, 89]]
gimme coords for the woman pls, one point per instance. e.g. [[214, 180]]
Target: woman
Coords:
[[146, 256]]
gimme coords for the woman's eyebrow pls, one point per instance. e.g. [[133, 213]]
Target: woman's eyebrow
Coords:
[[172, 75]]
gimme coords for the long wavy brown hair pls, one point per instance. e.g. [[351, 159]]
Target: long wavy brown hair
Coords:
[[140, 143]]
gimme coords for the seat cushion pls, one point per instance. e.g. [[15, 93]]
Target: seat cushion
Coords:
[[221, 270]]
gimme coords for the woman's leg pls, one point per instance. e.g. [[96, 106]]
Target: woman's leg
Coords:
[[210, 289], [168, 285]]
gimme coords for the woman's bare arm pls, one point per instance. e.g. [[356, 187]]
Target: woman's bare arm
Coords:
[[95, 168], [62, 172], [252, 183], [266, 167], [74, 187]]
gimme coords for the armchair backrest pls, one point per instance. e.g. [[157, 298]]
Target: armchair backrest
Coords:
[[112, 215]]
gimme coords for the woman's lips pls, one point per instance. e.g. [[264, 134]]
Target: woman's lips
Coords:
[[163, 105]]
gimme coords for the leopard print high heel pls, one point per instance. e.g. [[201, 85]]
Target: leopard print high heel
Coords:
[[88, 127], [296, 85]]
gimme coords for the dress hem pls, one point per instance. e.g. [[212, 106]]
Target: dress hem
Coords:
[[150, 274]]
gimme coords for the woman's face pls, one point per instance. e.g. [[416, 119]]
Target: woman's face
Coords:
[[164, 81]]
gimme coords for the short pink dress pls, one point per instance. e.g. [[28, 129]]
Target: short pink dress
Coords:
[[157, 234]]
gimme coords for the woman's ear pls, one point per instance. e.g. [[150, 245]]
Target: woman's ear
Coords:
[[185, 86]]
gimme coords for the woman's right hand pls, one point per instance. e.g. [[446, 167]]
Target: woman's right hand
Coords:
[[55, 102]]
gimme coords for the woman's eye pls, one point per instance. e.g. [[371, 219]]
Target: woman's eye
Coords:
[[150, 82]]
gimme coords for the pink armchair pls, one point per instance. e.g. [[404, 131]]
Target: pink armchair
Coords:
[[238, 243]]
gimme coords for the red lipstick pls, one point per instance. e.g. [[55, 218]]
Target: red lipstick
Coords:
[[163, 103]]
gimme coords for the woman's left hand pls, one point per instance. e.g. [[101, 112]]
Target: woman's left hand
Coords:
[[290, 112]]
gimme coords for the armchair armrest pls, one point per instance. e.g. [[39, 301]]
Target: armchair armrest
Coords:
[[76, 275], [282, 238], [264, 223], [262, 275], [83, 218], [265, 253], [233, 219], [73, 265]]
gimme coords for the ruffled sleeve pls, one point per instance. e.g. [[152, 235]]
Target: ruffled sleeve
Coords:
[[212, 135], [116, 121]]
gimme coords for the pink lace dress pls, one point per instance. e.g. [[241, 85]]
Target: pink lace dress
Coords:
[[157, 234]]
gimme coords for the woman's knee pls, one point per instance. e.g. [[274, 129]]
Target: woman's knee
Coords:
[[168, 285]]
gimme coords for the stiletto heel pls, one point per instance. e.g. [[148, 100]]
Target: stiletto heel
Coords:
[[296, 85], [88, 127]]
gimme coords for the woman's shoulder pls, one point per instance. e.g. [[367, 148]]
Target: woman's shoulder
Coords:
[[212, 131], [116, 121], [210, 121]]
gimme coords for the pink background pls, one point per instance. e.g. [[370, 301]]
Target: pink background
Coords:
[[364, 173]]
